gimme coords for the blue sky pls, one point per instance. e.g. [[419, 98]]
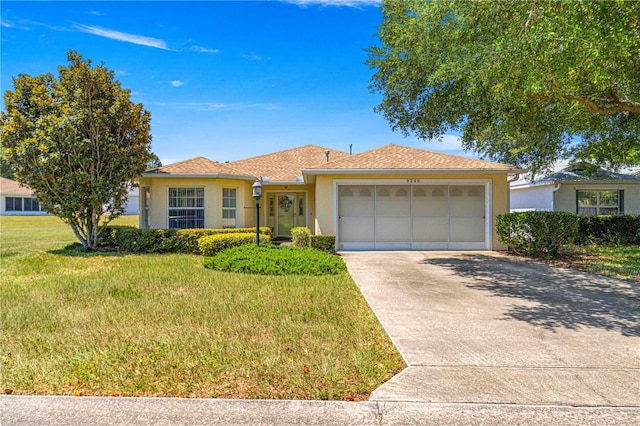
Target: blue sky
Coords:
[[222, 79]]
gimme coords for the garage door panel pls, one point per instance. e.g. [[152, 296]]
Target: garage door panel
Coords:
[[430, 200], [467, 201], [357, 229], [356, 200], [393, 201], [393, 229], [431, 229], [467, 229]]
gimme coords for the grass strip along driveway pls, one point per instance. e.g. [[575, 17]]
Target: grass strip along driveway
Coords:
[[162, 325]]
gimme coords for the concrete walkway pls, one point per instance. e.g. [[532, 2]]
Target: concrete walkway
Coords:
[[487, 328], [487, 340]]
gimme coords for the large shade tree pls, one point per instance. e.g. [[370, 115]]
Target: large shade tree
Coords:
[[525, 82], [78, 141]]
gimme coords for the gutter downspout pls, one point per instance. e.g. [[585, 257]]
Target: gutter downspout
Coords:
[[553, 195]]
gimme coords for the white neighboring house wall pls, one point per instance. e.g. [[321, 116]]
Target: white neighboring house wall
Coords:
[[132, 206], [532, 197], [17, 200]]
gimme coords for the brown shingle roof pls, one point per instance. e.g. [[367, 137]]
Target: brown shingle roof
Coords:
[[193, 166], [11, 187], [283, 166], [396, 157]]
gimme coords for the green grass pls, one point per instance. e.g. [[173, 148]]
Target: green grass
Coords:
[[163, 325], [617, 261]]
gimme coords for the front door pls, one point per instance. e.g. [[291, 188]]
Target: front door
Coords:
[[286, 211]]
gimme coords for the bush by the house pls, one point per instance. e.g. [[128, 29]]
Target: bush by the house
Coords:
[[326, 243], [623, 229], [301, 236], [212, 244], [134, 240], [276, 260], [537, 233]]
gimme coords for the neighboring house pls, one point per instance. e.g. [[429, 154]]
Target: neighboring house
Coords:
[[17, 199], [573, 190], [132, 206], [393, 197]]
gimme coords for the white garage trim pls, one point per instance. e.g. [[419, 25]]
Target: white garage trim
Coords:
[[393, 224]]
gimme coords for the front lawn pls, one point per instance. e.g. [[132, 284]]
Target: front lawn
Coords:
[[162, 325], [618, 261]]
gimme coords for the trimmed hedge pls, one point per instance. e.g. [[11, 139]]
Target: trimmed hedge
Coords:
[[212, 244], [135, 240], [537, 233], [326, 243], [623, 229], [301, 236], [275, 260]]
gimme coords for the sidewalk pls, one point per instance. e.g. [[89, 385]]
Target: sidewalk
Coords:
[[62, 410]]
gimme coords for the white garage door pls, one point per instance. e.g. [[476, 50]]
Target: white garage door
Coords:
[[405, 217]]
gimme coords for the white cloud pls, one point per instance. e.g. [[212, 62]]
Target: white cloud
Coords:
[[177, 83], [217, 106], [252, 57], [94, 13], [345, 3], [201, 49], [125, 37], [6, 24]]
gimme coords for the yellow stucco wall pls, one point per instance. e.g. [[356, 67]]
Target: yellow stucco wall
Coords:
[[159, 190], [326, 200], [246, 210]]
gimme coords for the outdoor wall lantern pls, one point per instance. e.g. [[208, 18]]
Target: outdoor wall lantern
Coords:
[[257, 194]]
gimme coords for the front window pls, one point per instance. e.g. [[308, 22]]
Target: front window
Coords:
[[229, 205], [186, 208], [13, 204], [599, 202]]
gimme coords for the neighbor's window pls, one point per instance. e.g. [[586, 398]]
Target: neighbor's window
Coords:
[[13, 204], [186, 208], [229, 205], [31, 205], [599, 202]]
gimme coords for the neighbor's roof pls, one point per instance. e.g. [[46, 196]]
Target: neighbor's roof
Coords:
[[284, 166], [395, 157], [575, 173], [11, 187]]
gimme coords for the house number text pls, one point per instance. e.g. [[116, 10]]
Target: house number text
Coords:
[[413, 180]]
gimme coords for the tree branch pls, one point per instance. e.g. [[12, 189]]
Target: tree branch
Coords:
[[615, 105]]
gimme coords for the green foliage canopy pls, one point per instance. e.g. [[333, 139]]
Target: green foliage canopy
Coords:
[[77, 140], [526, 83]]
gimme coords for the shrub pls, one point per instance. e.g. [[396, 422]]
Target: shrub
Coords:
[[326, 243], [212, 244], [276, 260], [301, 236], [134, 240], [537, 233], [623, 229]]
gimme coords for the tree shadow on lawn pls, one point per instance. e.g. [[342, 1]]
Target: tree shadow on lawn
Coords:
[[77, 250], [563, 297]]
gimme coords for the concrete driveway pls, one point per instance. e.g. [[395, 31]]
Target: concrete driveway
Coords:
[[480, 327]]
